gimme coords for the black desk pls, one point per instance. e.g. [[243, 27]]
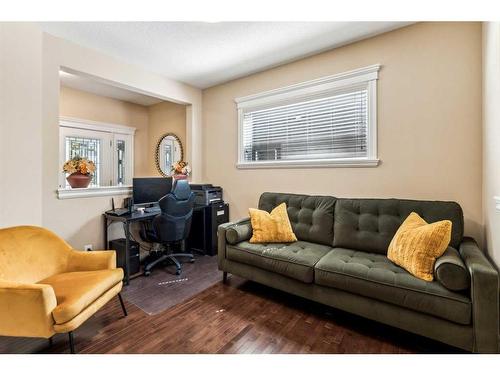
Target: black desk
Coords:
[[135, 216]]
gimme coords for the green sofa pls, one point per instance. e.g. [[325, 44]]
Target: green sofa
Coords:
[[340, 260]]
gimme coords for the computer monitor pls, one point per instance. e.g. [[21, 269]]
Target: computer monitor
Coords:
[[149, 190]]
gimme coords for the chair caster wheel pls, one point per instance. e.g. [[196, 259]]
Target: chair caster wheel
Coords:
[[178, 272], [191, 260], [147, 273]]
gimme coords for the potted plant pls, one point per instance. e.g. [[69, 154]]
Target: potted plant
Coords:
[[80, 171], [181, 170]]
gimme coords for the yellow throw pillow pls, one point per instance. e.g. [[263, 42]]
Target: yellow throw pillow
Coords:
[[271, 227], [417, 244]]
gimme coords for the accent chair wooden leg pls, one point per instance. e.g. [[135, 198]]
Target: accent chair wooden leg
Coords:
[[71, 342], [224, 277], [123, 305]]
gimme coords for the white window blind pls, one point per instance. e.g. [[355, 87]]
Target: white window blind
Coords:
[[331, 120], [324, 128]]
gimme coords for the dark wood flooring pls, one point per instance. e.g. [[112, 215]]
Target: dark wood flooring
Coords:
[[239, 317]]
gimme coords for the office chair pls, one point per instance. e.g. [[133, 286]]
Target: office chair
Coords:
[[172, 226]]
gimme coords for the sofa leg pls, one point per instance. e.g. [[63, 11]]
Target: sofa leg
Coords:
[[123, 305], [71, 342], [224, 277]]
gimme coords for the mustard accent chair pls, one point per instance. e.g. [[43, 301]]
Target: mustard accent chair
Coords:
[[46, 287]]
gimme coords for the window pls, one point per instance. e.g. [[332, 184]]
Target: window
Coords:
[[110, 147], [330, 121], [89, 148], [120, 161]]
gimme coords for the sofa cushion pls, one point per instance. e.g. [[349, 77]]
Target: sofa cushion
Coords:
[[375, 276], [370, 224], [75, 291], [295, 260], [311, 216]]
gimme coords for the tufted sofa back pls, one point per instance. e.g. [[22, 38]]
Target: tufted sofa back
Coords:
[[359, 224], [311, 216], [370, 224]]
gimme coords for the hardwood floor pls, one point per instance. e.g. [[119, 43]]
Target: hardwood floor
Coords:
[[240, 317]]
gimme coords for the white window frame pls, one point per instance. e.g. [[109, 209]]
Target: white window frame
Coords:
[[364, 77], [109, 134]]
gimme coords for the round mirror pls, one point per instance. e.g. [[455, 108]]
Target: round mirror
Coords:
[[168, 151]]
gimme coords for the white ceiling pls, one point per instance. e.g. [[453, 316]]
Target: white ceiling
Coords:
[[206, 54], [95, 87]]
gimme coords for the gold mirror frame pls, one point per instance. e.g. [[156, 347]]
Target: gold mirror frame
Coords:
[[157, 152]]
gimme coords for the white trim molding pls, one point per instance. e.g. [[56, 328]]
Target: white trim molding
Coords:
[[497, 202], [101, 191], [70, 122], [354, 79], [314, 86], [310, 163]]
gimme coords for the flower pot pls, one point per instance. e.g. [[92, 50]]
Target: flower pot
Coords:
[[79, 180], [180, 177]]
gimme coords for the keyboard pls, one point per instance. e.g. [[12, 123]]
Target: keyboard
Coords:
[[151, 210]]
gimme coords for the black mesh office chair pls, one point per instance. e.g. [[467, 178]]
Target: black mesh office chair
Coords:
[[172, 226]]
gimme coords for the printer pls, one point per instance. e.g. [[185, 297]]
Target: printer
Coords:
[[206, 194]]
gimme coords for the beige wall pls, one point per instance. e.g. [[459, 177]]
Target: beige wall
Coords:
[[165, 117], [87, 106], [150, 122], [429, 105], [491, 136], [429, 122], [29, 128], [79, 220], [20, 125]]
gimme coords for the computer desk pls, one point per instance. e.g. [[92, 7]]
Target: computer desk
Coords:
[[133, 217]]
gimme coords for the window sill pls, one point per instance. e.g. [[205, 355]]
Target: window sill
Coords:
[[101, 191], [337, 163]]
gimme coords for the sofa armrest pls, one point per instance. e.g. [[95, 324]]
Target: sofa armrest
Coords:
[[484, 295], [26, 309], [91, 260], [221, 243], [221, 238]]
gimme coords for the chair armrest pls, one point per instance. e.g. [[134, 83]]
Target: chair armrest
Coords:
[[221, 234], [484, 295], [26, 309], [91, 260]]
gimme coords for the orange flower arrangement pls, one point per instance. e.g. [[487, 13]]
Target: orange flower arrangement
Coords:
[[181, 167], [78, 164]]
